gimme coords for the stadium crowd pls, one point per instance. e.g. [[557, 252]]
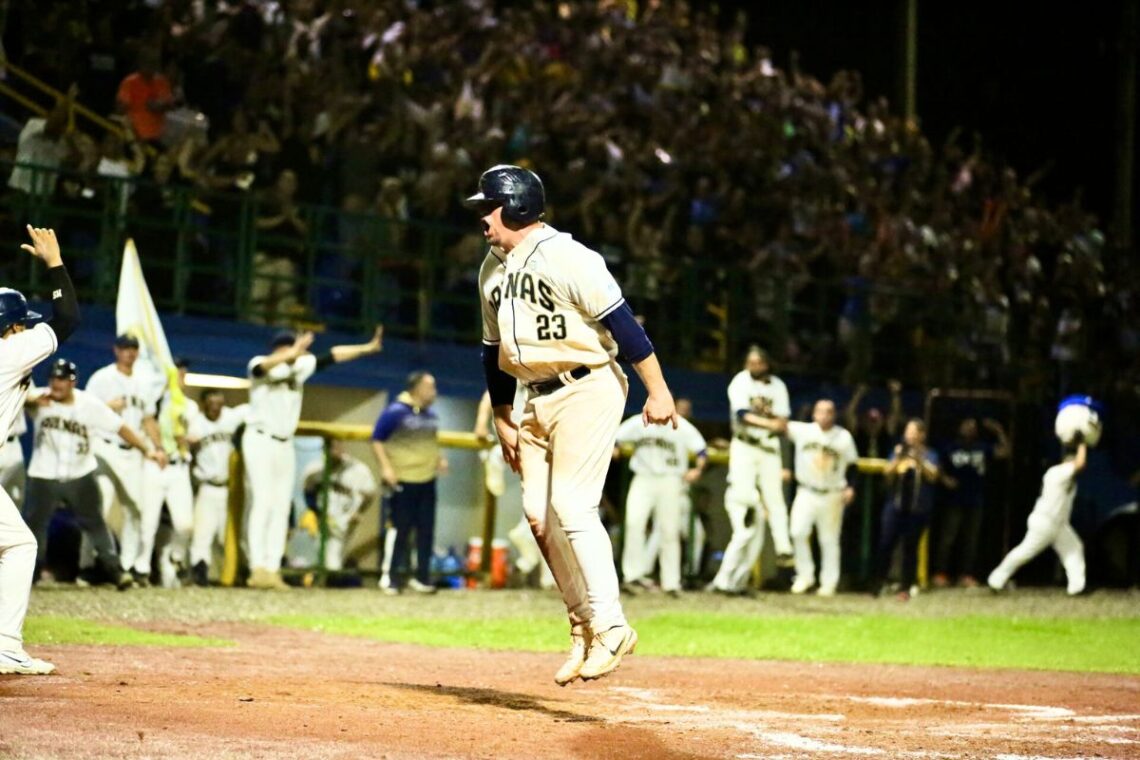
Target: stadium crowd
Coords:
[[869, 252], [666, 136]]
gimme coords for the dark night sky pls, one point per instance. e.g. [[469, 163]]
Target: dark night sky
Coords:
[[1037, 80]]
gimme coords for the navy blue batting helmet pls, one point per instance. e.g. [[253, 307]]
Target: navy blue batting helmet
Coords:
[[519, 191], [63, 369], [14, 309]]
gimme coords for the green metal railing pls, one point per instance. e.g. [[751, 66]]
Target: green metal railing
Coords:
[[203, 253]]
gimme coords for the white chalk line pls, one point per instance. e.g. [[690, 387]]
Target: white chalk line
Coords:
[[648, 703]]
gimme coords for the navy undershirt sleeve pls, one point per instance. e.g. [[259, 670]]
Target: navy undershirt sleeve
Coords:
[[632, 341], [500, 385]]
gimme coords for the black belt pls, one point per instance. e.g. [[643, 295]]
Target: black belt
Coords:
[[280, 438], [756, 443], [214, 483], [544, 387], [820, 491]]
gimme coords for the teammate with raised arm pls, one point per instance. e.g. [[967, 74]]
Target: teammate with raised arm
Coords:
[[755, 472], [275, 390], [555, 319], [22, 347]]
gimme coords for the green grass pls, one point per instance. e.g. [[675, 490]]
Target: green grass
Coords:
[[1076, 644], [61, 630]]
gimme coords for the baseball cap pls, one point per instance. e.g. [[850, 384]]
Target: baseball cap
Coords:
[[126, 341], [283, 338], [63, 369]]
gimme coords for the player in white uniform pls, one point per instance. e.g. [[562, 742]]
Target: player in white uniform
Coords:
[[169, 485], [12, 472], [661, 478], [824, 454], [62, 469], [131, 395], [275, 392], [351, 488], [211, 439], [755, 472], [22, 348], [555, 319], [1048, 525]]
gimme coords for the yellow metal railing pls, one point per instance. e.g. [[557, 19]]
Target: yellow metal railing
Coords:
[[452, 439]]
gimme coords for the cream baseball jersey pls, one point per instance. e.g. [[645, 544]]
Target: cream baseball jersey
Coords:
[[764, 397], [1058, 489], [542, 305], [19, 352], [350, 486], [63, 432], [215, 439], [822, 456], [275, 397], [659, 449], [136, 390]]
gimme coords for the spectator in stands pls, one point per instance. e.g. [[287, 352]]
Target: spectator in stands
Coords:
[[121, 159], [42, 147], [282, 235], [145, 96], [407, 450], [912, 475], [873, 434], [964, 476]]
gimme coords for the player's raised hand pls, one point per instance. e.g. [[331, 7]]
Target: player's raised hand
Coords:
[[44, 245], [660, 410], [376, 345], [303, 341]]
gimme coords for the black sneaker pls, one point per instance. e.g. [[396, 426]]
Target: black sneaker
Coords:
[[126, 581], [142, 580], [200, 573]]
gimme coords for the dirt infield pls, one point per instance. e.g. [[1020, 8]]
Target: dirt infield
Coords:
[[284, 693]]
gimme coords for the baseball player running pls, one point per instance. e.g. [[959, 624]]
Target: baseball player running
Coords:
[[1048, 525], [12, 473], [554, 319], [661, 478], [755, 472], [275, 392], [211, 439], [169, 484], [131, 395], [22, 347], [62, 468], [351, 487]]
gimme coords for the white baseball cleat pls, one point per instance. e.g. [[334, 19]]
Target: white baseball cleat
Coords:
[[825, 591], [579, 647], [421, 588], [23, 664], [802, 585], [606, 650]]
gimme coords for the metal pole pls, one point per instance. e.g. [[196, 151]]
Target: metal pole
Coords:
[[910, 58], [1126, 126]]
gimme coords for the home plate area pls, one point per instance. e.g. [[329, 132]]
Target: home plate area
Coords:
[[342, 697]]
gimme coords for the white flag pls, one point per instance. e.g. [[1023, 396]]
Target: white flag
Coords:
[[135, 315]]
